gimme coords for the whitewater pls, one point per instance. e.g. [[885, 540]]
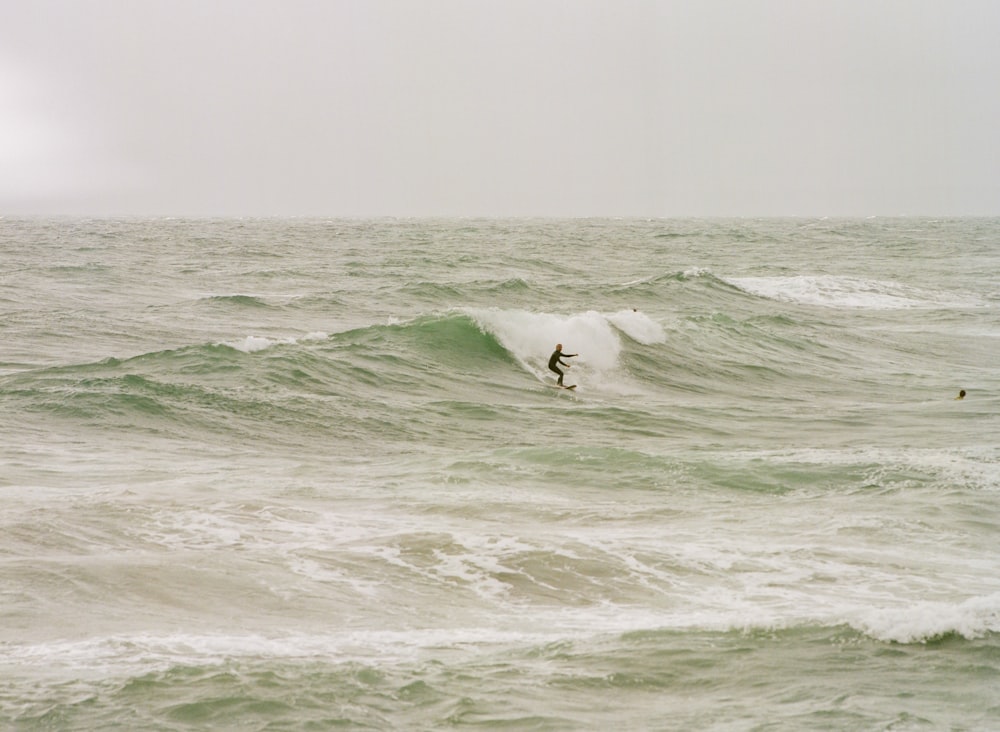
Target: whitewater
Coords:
[[300, 474]]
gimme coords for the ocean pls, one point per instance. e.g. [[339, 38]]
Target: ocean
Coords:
[[313, 474]]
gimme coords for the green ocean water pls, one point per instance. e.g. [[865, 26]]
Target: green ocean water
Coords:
[[313, 474]]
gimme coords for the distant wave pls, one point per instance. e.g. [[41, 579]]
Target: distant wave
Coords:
[[252, 343], [240, 300], [686, 275], [850, 292]]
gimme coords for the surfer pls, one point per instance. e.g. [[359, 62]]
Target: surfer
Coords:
[[555, 361], [961, 394]]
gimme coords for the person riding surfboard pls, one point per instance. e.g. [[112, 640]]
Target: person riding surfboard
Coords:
[[555, 361]]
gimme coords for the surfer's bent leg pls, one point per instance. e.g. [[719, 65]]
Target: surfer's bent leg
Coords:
[[556, 369]]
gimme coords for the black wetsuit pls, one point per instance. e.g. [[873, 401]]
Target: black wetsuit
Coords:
[[555, 361]]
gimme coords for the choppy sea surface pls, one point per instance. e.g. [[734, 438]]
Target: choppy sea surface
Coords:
[[314, 474]]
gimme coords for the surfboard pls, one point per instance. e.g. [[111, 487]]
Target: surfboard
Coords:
[[556, 386]]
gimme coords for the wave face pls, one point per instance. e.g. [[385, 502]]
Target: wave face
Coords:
[[314, 473]]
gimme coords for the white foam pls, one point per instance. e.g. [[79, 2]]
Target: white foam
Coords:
[[531, 337], [850, 292], [596, 337], [253, 344], [638, 326], [923, 621], [145, 652]]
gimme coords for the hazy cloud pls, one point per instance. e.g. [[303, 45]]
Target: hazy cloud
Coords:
[[449, 107]]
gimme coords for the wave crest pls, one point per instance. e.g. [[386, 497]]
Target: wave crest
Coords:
[[928, 621], [850, 292]]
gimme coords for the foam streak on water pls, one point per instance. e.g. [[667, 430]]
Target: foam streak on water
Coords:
[[302, 474]]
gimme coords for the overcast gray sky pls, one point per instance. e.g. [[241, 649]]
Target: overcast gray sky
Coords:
[[500, 108]]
